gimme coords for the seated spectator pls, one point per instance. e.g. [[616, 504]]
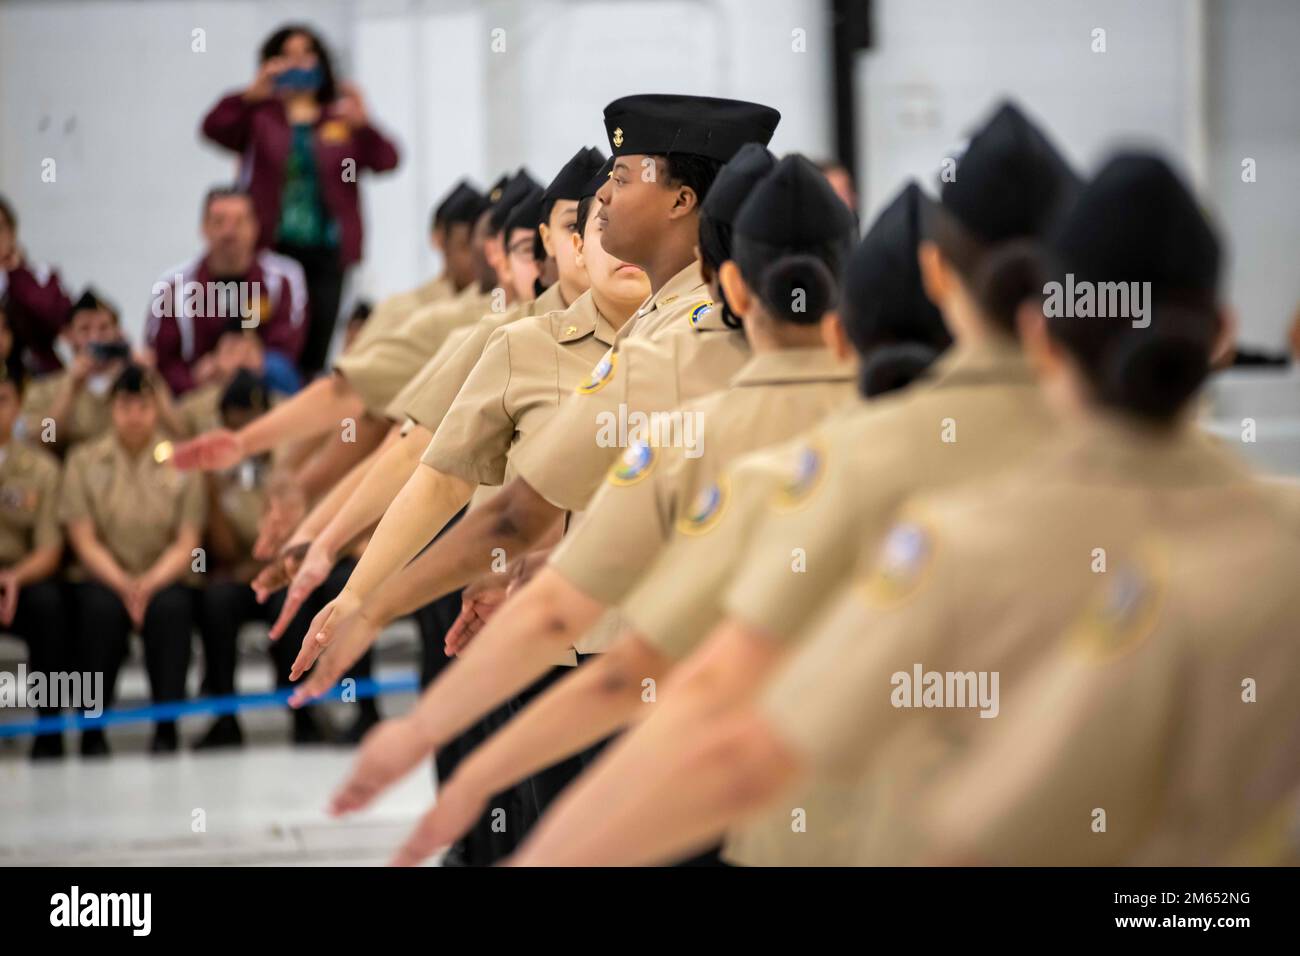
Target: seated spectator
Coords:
[[135, 523], [236, 499], [35, 302], [31, 544], [192, 303]]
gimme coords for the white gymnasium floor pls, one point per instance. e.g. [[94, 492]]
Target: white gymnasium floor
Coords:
[[264, 804]]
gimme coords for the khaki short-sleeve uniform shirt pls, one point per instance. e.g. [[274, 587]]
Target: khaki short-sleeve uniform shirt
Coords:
[[138, 505], [1107, 537], [570, 456]]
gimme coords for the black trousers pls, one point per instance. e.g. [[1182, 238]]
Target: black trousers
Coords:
[[324, 274], [226, 606], [103, 627], [41, 620]]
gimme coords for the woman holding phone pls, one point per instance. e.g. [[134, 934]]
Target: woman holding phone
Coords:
[[303, 138]]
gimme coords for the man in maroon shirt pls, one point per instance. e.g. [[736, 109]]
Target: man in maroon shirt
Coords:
[[191, 304], [32, 298]]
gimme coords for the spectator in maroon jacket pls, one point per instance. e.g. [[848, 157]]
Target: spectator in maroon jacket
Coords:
[[302, 142], [192, 303], [33, 300]]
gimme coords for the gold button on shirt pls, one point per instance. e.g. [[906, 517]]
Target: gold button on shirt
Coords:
[[570, 456], [526, 369], [679, 482], [379, 366], [1120, 587], [137, 505], [427, 397], [29, 489]]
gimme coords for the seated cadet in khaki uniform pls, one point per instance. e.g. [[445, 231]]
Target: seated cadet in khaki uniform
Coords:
[[885, 314], [31, 543], [650, 207], [848, 477], [134, 523], [1130, 538]]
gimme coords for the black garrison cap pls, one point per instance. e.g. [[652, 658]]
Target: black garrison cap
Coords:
[[794, 206], [526, 214], [1011, 182], [463, 203], [497, 188], [657, 124], [595, 182], [520, 185], [133, 380], [571, 181], [884, 299], [736, 180], [1137, 222]]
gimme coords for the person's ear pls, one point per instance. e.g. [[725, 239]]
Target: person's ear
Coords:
[[936, 274], [735, 289], [835, 338], [544, 231], [1225, 341], [578, 258], [685, 202], [1041, 351]]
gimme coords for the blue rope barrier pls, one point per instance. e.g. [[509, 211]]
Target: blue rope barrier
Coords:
[[365, 687]]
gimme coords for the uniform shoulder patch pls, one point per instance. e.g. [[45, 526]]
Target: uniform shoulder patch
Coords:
[[700, 312], [600, 375], [706, 509], [1123, 611], [803, 476], [902, 563], [636, 463]]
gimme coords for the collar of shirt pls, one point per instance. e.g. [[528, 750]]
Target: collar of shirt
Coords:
[[1114, 449], [549, 301], [793, 367], [688, 283], [995, 359], [582, 319]]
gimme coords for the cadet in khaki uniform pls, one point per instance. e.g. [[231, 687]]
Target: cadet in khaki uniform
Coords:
[[850, 476], [133, 522], [654, 221], [31, 544]]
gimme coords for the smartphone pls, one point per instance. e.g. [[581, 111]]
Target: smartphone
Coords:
[[108, 351], [297, 78]]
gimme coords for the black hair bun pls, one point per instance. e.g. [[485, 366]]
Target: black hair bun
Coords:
[[799, 287], [1152, 372], [892, 367], [1011, 273]]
